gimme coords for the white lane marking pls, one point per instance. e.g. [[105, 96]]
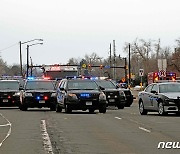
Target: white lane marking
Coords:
[[9, 131], [5, 125], [46, 140], [118, 118], [144, 129]]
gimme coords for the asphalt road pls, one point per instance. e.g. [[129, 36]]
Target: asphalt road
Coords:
[[39, 131]]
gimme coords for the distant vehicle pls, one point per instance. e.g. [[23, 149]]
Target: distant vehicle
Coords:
[[9, 93], [60, 72], [38, 93], [115, 97], [80, 94], [154, 77], [161, 97], [127, 92]]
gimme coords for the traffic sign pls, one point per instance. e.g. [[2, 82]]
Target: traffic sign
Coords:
[[141, 72], [83, 65], [162, 73]]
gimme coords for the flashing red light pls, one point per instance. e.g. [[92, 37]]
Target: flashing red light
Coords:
[[47, 78], [155, 73], [9, 97], [45, 98]]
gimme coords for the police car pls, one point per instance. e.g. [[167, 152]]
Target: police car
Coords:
[[76, 93], [115, 97], [9, 92], [38, 93]]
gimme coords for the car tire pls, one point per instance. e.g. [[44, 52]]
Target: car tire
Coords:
[[91, 110], [53, 108], [120, 106], [102, 109], [68, 109], [58, 108], [142, 111], [161, 109], [23, 107]]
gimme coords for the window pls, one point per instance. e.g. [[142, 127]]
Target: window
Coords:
[[155, 88], [148, 89]]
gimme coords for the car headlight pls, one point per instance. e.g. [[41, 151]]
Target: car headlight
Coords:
[[170, 101], [72, 96], [102, 96], [53, 95], [28, 94], [17, 94]]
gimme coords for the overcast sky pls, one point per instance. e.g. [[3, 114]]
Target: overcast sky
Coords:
[[73, 28]]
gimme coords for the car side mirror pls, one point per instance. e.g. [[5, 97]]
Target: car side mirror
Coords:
[[101, 88], [154, 91], [21, 88], [61, 89]]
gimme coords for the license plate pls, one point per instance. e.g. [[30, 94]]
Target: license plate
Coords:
[[5, 100], [41, 101], [88, 103], [111, 100]]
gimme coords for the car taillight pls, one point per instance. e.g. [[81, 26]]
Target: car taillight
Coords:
[[45, 98], [9, 97]]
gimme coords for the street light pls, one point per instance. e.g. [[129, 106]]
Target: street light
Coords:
[[28, 56], [20, 53]]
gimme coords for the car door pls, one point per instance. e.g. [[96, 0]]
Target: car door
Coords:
[[146, 97], [154, 96], [61, 92]]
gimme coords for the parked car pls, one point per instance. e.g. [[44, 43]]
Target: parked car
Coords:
[[38, 93], [161, 97], [115, 97], [80, 94], [9, 93]]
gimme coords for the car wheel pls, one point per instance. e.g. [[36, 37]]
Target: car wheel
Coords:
[[53, 108], [120, 106], [141, 108], [58, 108], [23, 107], [161, 109], [68, 109], [102, 109], [91, 110]]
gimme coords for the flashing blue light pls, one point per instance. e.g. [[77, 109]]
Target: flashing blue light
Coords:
[[85, 95], [107, 66], [38, 98], [94, 78], [30, 78]]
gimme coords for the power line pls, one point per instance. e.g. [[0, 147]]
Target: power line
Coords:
[[8, 47]]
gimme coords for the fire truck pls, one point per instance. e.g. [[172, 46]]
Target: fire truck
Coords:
[[159, 77], [60, 72]]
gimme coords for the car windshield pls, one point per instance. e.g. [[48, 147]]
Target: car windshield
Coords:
[[166, 88], [9, 85], [106, 84], [82, 85], [39, 85]]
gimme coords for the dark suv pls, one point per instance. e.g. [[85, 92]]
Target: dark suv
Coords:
[[115, 97], [38, 93], [80, 94], [9, 93]]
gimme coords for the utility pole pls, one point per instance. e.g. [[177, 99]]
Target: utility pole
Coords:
[[125, 73], [110, 61], [129, 81], [20, 54], [114, 61], [27, 61], [31, 65]]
